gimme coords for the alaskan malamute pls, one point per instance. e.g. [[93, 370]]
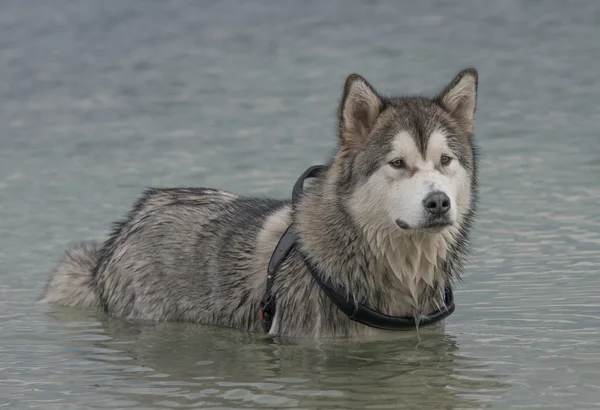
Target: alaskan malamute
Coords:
[[374, 241]]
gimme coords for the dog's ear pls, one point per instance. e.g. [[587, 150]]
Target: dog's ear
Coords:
[[359, 108], [460, 98]]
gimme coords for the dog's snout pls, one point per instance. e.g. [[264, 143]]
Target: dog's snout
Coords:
[[437, 203]]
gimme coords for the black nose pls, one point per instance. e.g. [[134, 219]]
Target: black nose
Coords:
[[437, 203]]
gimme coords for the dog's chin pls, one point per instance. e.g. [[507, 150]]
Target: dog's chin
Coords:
[[431, 226]]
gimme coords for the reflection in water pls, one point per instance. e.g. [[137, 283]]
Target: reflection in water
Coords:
[[177, 364]]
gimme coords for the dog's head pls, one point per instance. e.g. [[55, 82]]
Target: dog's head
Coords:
[[408, 162]]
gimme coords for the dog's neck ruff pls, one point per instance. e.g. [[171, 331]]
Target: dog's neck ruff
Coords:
[[346, 303]]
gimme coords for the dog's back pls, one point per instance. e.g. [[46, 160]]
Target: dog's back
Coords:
[[180, 254]]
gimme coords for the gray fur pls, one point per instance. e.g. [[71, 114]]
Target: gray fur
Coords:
[[71, 282], [200, 255]]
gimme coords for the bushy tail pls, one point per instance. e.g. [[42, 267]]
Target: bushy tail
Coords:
[[71, 282]]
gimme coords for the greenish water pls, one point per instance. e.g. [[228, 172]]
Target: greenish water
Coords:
[[100, 99]]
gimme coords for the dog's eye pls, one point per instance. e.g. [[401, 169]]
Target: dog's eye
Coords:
[[397, 163], [445, 160]]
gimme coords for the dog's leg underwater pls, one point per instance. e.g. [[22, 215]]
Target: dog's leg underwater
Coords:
[[71, 282]]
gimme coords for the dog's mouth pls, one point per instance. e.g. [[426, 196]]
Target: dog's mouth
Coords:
[[434, 225], [402, 224]]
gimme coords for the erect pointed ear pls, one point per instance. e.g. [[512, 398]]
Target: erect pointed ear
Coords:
[[460, 97], [359, 108]]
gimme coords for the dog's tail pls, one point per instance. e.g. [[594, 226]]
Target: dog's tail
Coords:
[[71, 282]]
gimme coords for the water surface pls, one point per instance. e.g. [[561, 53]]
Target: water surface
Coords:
[[100, 99]]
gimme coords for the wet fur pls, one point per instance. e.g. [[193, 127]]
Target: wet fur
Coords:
[[200, 255]]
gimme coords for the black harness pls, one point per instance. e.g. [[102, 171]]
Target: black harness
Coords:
[[355, 311]]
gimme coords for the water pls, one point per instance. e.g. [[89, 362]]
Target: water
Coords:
[[100, 99]]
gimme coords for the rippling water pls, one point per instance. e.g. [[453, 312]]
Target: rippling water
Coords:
[[100, 99]]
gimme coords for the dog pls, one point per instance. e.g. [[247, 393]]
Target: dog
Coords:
[[387, 221]]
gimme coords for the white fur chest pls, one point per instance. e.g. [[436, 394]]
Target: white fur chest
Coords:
[[416, 263]]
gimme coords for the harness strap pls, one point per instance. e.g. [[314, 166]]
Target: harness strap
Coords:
[[287, 241], [355, 311], [364, 315], [267, 305]]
